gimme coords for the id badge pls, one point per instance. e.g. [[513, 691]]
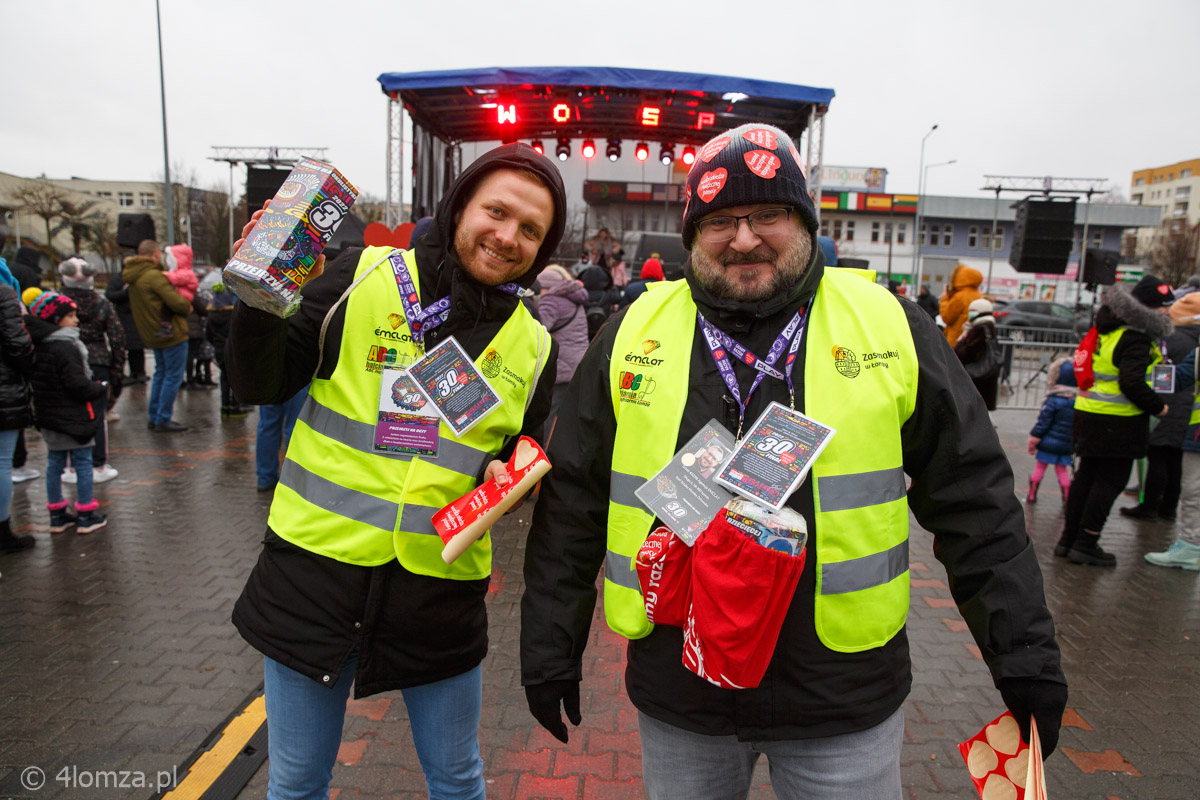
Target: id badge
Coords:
[[406, 421], [777, 452], [682, 493], [1162, 378], [450, 381]]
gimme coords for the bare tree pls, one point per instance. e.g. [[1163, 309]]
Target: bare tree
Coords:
[[44, 200], [1113, 195], [1174, 253], [100, 237], [74, 218], [370, 208]]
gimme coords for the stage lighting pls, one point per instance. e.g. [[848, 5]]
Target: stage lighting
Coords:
[[563, 151], [537, 145], [589, 148], [642, 151], [689, 155], [614, 149], [667, 154]]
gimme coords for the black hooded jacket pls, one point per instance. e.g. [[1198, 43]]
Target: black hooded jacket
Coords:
[[309, 612], [962, 492]]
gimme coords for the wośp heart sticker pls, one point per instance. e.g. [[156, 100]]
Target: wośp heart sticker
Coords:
[[711, 183], [762, 163]]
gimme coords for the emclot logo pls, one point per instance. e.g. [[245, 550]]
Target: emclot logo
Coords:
[[492, 362], [395, 320], [644, 360], [844, 362], [635, 387]]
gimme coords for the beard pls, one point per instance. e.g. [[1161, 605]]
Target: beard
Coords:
[[786, 270]]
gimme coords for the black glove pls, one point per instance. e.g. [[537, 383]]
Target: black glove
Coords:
[[1045, 699], [114, 390], [544, 699]]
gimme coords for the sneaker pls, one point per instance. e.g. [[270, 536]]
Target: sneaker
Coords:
[[22, 474], [112, 416], [1087, 550], [104, 473], [170, 426], [69, 476], [61, 519], [90, 521], [1180, 554]]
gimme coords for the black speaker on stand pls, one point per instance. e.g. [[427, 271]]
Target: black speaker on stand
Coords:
[[1100, 266], [133, 229], [1043, 235]]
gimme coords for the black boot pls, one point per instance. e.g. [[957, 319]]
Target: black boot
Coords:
[[1087, 550], [10, 542], [1137, 512]]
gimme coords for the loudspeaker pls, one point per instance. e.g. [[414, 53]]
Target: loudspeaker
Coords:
[[1100, 266], [133, 229], [261, 185], [1043, 235]]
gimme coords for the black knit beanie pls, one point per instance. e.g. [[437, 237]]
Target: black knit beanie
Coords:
[[752, 164]]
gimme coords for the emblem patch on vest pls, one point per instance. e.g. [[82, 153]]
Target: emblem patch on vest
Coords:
[[395, 320], [635, 388], [845, 363], [492, 362], [649, 346]]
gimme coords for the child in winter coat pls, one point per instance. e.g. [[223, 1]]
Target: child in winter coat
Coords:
[[180, 275], [64, 395], [1050, 439]]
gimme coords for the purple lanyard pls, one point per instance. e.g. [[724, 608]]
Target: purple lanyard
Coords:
[[425, 319], [721, 345]]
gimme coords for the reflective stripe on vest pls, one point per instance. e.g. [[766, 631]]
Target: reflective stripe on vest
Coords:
[[339, 498], [860, 377], [1105, 397]]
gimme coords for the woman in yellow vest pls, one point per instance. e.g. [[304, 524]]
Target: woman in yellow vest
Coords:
[[1111, 426], [350, 586]]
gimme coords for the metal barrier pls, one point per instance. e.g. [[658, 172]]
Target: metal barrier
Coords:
[[1028, 353]]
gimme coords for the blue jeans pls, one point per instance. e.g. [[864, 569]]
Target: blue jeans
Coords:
[[169, 363], [691, 766], [304, 731], [8, 444], [56, 462], [275, 425]]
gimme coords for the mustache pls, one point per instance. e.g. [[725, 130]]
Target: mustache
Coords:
[[755, 256]]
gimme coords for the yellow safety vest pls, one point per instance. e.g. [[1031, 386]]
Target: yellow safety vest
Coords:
[[1105, 395], [339, 498], [860, 377]]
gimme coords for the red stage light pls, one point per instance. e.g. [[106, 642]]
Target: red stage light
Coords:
[[642, 151], [561, 112], [589, 148], [537, 145], [688, 155], [650, 116]]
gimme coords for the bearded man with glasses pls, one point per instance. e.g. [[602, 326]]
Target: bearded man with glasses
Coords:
[[759, 321]]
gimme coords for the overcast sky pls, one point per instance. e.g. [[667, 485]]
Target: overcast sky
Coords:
[[1073, 89]]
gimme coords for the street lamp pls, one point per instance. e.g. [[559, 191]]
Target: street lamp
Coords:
[[920, 199], [924, 183]]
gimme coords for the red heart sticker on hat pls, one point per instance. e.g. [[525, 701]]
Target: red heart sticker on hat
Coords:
[[762, 163], [711, 183], [762, 137], [799, 163], [710, 150]]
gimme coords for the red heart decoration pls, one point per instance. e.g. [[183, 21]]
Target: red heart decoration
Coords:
[[762, 163], [762, 137], [712, 148], [711, 183], [377, 234]]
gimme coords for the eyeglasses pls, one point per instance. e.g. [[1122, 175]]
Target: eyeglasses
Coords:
[[763, 222]]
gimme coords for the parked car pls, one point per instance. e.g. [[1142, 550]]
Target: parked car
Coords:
[[1015, 318]]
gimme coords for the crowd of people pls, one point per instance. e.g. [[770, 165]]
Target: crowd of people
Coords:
[[351, 593]]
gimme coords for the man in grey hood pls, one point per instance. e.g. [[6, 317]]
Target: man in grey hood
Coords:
[[351, 587]]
